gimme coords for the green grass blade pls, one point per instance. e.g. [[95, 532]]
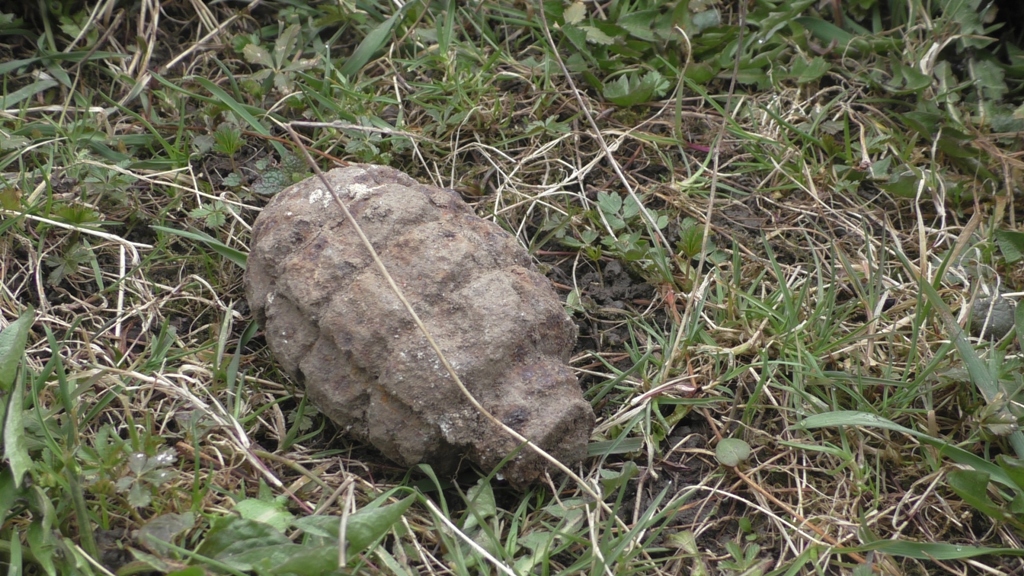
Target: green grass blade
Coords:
[[222, 97], [29, 91], [236, 256], [958, 455], [373, 42], [617, 446], [444, 35], [932, 550], [977, 370], [239, 109], [825, 31]]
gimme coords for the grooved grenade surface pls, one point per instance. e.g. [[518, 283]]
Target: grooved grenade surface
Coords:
[[333, 322]]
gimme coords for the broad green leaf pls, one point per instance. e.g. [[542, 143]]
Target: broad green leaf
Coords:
[[597, 36], [1018, 322], [700, 72], [323, 526], [967, 17], [231, 535], [684, 541], [630, 89], [880, 168], [15, 450], [285, 43], [578, 38], [630, 208], [622, 91], [481, 504], [9, 493], [267, 560], [161, 566], [923, 121], [43, 545], [1011, 244], [754, 76], [271, 182], [972, 487], [814, 70], [40, 503], [640, 24], [575, 13], [257, 54], [775, 21], [1017, 505], [706, 19], [1013, 467], [915, 79], [366, 526], [732, 452], [908, 78], [571, 511], [610, 203], [137, 463], [955, 144], [904, 185], [165, 528], [139, 495], [273, 512], [539, 544], [12, 346], [826, 31], [320, 526], [612, 480], [298, 559]]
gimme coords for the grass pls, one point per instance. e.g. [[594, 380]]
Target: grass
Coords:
[[769, 219]]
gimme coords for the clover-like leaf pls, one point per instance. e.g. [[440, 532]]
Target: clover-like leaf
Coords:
[[271, 182], [732, 452], [630, 89], [597, 36], [574, 14], [256, 54], [972, 487]]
